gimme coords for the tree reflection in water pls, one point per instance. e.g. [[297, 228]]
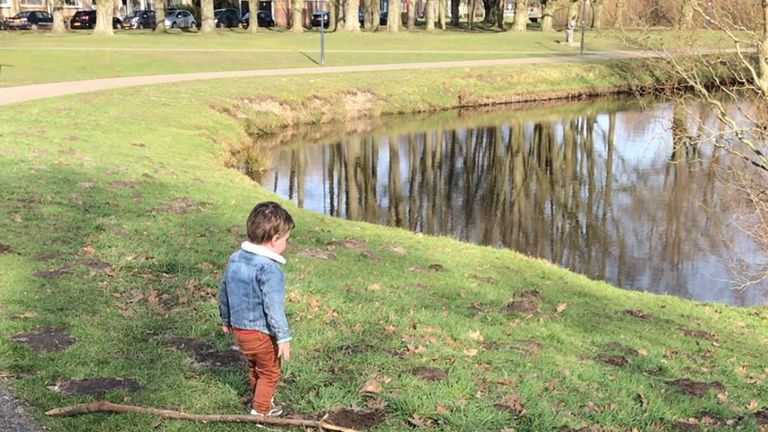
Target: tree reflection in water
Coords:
[[626, 195]]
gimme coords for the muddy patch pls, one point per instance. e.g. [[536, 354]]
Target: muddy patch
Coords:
[[178, 205], [429, 373], [95, 386], [203, 352], [47, 256], [348, 244], [370, 256], [45, 339], [52, 273], [96, 264], [698, 334], [761, 417], [637, 313], [695, 388], [522, 306], [4, 249], [355, 419], [615, 346], [613, 359], [316, 253], [528, 346], [510, 403]]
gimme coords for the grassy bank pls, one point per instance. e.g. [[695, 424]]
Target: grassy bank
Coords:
[[119, 214]]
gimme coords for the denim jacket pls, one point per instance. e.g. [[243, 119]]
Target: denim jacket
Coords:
[[252, 291]]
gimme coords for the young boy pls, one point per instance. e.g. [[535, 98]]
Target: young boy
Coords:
[[251, 302]]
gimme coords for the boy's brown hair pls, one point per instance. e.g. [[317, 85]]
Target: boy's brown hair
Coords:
[[267, 220]]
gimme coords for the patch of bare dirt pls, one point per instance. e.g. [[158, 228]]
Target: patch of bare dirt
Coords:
[[698, 334], [528, 345], [355, 419], [436, 267], [96, 264], [370, 255], [125, 183], [613, 359], [95, 386], [522, 306], [695, 388], [637, 313], [429, 373], [761, 417], [53, 273], [316, 253], [4, 248], [534, 293], [682, 426], [490, 280], [47, 256], [510, 403], [615, 346], [348, 243], [178, 205], [203, 352], [45, 339]]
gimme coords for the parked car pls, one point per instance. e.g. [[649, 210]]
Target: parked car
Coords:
[[320, 17], [30, 20], [180, 19], [140, 19], [382, 18], [264, 19], [226, 18], [86, 19]]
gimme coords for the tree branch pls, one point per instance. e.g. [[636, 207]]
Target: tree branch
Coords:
[[104, 406]]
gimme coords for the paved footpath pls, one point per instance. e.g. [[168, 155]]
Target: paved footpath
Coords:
[[13, 413], [10, 95]]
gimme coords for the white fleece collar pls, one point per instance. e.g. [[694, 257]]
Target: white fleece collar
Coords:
[[261, 250]]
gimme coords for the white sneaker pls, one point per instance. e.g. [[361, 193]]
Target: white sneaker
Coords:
[[276, 411]]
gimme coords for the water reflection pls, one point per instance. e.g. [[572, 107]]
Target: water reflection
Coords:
[[616, 190]]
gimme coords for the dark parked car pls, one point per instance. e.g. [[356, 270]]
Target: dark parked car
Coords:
[[229, 17], [30, 20], [86, 19], [320, 17], [140, 19], [264, 19], [382, 18]]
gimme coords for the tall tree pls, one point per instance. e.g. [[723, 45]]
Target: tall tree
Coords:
[[351, 24], [375, 15], [104, 11], [597, 13], [548, 8], [253, 12], [159, 15], [521, 16], [58, 17], [686, 14], [442, 6], [619, 22], [393, 16], [430, 16], [206, 16], [411, 15], [762, 73], [296, 16], [455, 7]]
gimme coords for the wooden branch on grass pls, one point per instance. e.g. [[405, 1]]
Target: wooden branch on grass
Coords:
[[104, 406]]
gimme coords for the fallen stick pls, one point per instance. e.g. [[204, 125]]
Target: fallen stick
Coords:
[[104, 406]]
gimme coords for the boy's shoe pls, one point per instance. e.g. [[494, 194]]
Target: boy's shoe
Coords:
[[276, 411]]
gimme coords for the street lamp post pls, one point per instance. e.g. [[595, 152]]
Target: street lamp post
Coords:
[[324, 16], [583, 24]]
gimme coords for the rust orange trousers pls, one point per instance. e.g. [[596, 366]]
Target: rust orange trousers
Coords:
[[260, 350]]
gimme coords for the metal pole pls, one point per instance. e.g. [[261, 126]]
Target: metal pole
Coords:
[[583, 23]]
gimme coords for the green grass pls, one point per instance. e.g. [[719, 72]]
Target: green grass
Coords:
[[137, 178], [28, 57]]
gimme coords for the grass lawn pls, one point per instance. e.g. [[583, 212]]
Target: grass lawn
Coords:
[[28, 57], [119, 214]]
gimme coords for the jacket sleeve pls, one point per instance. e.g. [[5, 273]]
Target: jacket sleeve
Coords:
[[273, 292], [224, 300]]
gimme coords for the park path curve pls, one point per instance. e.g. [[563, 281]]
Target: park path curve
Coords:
[[11, 95]]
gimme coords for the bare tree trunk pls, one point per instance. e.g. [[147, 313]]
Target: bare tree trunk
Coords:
[[375, 15], [368, 14], [762, 73], [573, 10], [441, 10], [521, 16], [296, 16], [206, 16], [547, 11], [455, 4], [159, 15], [393, 16], [350, 16], [686, 14], [430, 16], [104, 11], [253, 13], [333, 15], [411, 15], [58, 17], [619, 14], [471, 17], [597, 14], [500, 14]]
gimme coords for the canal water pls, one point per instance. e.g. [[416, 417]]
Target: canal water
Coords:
[[623, 190]]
